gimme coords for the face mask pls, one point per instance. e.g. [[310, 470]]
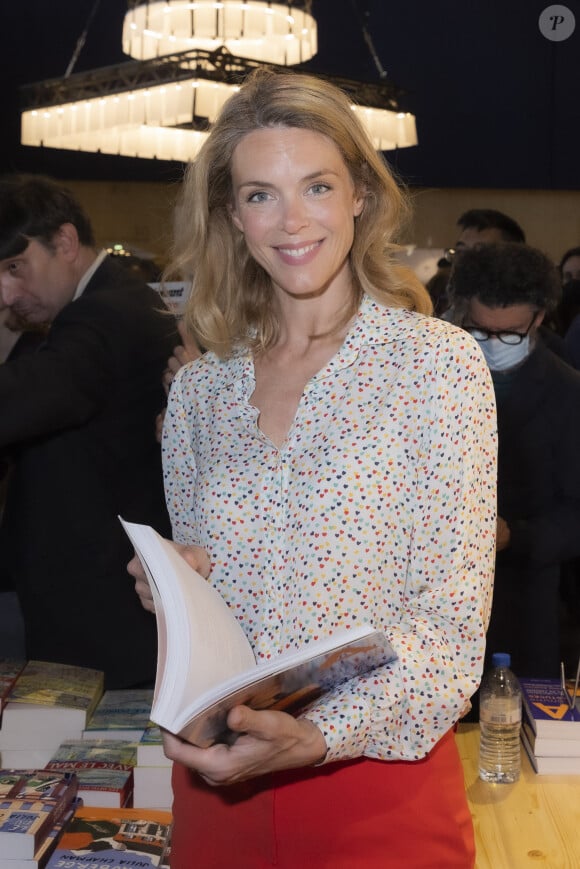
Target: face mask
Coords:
[[501, 357]]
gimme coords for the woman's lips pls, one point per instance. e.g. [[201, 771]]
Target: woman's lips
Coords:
[[298, 254]]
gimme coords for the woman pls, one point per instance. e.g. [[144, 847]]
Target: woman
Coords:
[[330, 460]]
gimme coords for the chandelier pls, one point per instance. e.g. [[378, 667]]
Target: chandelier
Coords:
[[277, 33], [190, 58]]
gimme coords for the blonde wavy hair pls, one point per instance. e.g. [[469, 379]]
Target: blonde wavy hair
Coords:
[[232, 302]]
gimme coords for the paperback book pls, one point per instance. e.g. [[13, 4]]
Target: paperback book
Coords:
[[37, 784], [551, 765], [545, 746], [150, 748], [26, 821], [104, 769], [548, 709], [121, 714], [205, 662], [115, 838], [46, 847], [49, 699], [152, 789]]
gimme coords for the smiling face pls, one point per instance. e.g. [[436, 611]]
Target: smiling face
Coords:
[[295, 202]]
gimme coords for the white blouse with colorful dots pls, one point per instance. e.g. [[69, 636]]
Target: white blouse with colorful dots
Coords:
[[379, 507]]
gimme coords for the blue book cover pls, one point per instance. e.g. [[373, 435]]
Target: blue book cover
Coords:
[[548, 710]]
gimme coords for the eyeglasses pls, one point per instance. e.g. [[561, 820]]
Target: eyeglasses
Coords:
[[570, 691], [512, 338]]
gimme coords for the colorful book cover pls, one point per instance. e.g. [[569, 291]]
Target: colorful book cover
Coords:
[[123, 712], [104, 769], [115, 838], [24, 824], [47, 684], [94, 753], [548, 709], [38, 784]]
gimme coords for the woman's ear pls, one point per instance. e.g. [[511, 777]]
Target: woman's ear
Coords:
[[358, 205], [235, 217]]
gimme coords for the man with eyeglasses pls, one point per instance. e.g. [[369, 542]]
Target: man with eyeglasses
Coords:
[[500, 294]]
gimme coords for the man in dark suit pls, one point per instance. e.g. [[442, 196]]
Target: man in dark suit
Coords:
[[500, 294], [77, 418]]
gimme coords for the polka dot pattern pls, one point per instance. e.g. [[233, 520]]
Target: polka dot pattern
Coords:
[[379, 507]]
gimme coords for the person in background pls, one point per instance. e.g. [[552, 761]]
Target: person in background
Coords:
[[477, 226], [484, 225], [78, 423], [570, 265], [500, 295], [329, 460]]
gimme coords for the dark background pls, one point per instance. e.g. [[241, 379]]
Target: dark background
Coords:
[[497, 104]]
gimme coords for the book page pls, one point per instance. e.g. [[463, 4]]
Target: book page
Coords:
[[201, 641]]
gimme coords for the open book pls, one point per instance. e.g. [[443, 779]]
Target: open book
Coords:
[[206, 666]]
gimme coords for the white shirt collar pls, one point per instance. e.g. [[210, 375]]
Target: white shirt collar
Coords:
[[82, 284]]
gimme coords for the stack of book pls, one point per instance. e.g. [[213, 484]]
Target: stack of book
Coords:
[[104, 768], [35, 806], [115, 839], [551, 726], [125, 715], [47, 704], [152, 773]]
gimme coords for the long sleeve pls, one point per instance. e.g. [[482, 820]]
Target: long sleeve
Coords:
[[400, 711], [380, 507]]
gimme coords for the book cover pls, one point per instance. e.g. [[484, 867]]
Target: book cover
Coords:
[[121, 714], [548, 710], [76, 754], [115, 838], [206, 664], [545, 765], [37, 784], [46, 847], [104, 769], [26, 823], [46, 698]]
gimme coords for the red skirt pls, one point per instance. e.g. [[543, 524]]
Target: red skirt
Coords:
[[361, 813]]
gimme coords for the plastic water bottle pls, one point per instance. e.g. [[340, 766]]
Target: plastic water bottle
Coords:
[[500, 718]]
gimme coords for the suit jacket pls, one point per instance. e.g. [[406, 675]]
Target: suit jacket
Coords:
[[539, 496], [78, 417]]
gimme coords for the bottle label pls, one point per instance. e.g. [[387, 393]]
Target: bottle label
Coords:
[[500, 712]]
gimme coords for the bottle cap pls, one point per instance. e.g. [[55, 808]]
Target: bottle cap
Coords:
[[501, 659]]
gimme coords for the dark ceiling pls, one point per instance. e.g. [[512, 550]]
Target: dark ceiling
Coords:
[[497, 104]]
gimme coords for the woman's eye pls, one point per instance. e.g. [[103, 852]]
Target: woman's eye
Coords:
[[258, 196], [319, 188]]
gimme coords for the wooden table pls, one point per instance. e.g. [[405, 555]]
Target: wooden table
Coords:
[[532, 823]]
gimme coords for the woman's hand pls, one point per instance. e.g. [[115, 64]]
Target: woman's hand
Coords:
[[195, 556], [268, 741]]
